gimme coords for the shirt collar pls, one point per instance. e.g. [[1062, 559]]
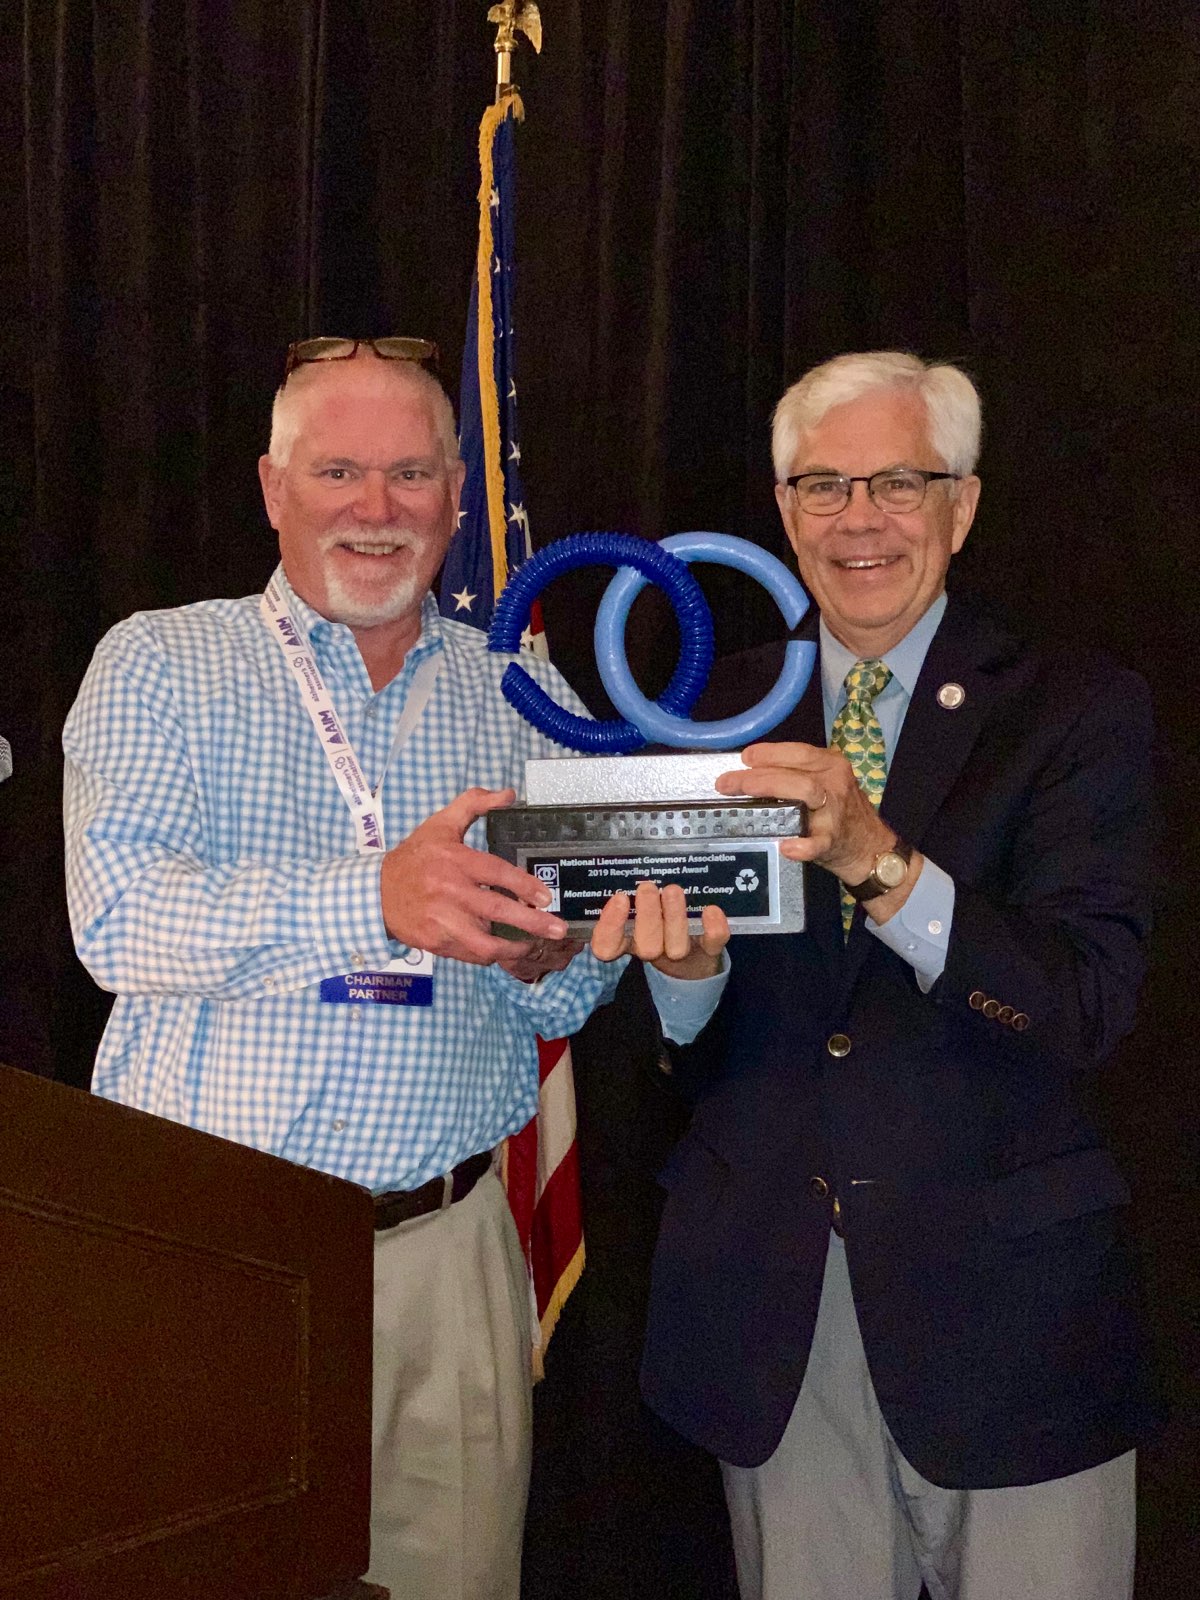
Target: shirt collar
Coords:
[[308, 620], [905, 659]]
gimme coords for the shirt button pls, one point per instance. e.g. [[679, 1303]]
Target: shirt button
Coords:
[[358, 960], [935, 926], [338, 1124], [372, 709], [838, 1044], [268, 983]]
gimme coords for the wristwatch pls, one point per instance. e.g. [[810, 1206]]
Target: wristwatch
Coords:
[[889, 872]]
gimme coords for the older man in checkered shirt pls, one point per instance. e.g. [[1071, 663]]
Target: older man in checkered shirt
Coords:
[[275, 861]]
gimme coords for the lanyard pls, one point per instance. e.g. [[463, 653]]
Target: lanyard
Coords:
[[361, 801]]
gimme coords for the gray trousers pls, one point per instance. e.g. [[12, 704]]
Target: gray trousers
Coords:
[[837, 1513], [452, 1403]]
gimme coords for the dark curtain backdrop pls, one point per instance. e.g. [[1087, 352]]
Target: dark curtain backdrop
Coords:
[[710, 201]]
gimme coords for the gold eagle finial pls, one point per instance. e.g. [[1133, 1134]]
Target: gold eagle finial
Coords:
[[510, 19]]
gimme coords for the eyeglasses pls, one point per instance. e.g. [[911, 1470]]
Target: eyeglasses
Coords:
[[824, 494], [393, 348]]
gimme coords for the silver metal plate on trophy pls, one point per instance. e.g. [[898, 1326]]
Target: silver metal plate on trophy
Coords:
[[614, 780], [722, 851]]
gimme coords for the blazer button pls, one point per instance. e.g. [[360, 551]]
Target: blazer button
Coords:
[[1020, 1022], [1006, 1014], [975, 999], [991, 1009], [819, 1187], [838, 1044]]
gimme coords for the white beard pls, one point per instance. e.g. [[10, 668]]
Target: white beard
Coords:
[[346, 604]]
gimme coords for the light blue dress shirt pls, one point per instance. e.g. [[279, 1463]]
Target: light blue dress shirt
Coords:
[[213, 883], [919, 932]]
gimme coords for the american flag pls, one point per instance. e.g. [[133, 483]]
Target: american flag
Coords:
[[542, 1161]]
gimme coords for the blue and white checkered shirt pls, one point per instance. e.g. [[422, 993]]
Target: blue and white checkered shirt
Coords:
[[213, 882]]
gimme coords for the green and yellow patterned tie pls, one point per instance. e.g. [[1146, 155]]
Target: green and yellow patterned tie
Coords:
[[857, 734]]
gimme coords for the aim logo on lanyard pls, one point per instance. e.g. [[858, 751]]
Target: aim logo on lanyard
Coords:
[[408, 979]]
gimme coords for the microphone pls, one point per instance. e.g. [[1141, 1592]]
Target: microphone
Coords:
[[5, 760]]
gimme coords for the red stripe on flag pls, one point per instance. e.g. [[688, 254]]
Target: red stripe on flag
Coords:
[[520, 1179], [557, 1231], [556, 1211]]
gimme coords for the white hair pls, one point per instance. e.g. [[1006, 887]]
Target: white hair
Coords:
[[950, 398], [289, 411]]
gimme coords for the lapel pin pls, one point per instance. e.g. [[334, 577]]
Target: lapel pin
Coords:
[[950, 696]]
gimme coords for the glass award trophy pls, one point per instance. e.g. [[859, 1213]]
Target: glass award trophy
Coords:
[[610, 818]]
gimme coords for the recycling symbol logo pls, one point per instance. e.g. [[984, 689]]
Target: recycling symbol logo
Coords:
[[747, 880]]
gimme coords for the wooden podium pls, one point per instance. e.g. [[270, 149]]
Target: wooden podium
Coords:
[[185, 1361]]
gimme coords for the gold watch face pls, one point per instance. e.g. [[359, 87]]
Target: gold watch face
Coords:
[[890, 869]]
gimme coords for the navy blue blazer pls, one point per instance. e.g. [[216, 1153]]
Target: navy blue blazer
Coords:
[[981, 1214]]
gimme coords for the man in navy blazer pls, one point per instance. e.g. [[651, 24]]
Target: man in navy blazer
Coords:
[[891, 1291]]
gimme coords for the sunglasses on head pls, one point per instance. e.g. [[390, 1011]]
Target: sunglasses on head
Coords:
[[393, 348]]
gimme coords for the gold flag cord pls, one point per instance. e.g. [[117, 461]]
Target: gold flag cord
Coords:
[[489, 399]]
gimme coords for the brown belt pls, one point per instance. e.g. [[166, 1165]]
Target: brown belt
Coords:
[[402, 1205]]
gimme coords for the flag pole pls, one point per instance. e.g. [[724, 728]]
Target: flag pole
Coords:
[[540, 1163], [512, 18]]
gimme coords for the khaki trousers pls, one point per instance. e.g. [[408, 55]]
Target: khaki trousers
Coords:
[[837, 1513], [452, 1407]]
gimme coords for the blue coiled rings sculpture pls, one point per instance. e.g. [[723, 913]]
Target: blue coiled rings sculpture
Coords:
[[664, 721]]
